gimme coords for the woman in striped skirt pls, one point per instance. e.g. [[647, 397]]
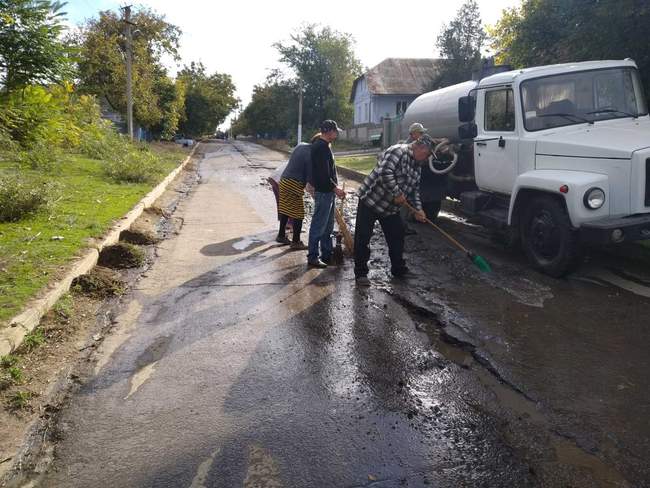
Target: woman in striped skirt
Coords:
[[292, 186]]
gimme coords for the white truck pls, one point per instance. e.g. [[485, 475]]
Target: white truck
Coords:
[[556, 157]]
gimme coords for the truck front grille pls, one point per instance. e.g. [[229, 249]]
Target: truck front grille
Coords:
[[647, 182]]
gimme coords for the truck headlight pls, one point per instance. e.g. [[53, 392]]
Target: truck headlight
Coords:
[[594, 198]]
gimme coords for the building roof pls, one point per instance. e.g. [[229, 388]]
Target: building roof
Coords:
[[399, 76]]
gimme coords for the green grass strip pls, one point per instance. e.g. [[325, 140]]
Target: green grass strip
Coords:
[[362, 164], [89, 204]]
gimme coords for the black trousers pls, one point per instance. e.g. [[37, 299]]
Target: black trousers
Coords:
[[393, 231]]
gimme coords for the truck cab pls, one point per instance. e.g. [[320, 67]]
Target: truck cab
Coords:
[[560, 155]]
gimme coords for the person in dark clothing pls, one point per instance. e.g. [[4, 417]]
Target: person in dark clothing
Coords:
[[291, 188], [415, 132], [325, 182], [432, 191], [394, 181]]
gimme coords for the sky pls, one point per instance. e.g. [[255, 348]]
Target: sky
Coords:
[[236, 37]]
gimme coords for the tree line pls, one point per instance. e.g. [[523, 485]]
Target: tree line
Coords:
[[318, 61], [36, 50]]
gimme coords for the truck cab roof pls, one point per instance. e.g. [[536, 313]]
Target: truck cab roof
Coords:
[[508, 77]]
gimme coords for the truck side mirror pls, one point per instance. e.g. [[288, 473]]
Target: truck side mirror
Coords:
[[467, 131], [466, 108]]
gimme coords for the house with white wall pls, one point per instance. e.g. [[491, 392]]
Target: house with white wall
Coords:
[[386, 90]]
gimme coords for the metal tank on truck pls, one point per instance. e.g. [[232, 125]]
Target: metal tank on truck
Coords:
[[555, 157], [438, 112]]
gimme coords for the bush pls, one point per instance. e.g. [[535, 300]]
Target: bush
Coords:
[[134, 167], [19, 198], [54, 118], [40, 157], [102, 142]]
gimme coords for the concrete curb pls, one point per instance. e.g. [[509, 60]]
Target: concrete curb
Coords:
[[358, 152], [11, 337], [350, 174]]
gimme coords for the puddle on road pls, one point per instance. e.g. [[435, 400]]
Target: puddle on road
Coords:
[[247, 243], [456, 219], [508, 396], [236, 245], [139, 378], [568, 453], [523, 290], [203, 471], [263, 470], [147, 362], [619, 279]]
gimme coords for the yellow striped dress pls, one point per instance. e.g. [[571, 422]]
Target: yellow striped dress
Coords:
[[291, 203]]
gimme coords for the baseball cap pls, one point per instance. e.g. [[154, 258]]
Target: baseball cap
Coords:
[[417, 127], [425, 139], [328, 125]]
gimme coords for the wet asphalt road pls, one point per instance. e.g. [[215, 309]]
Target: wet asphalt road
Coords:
[[232, 364]]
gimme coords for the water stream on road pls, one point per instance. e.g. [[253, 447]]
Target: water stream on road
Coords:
[[466, 355]]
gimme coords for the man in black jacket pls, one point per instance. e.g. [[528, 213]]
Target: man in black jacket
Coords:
[[326, 189]]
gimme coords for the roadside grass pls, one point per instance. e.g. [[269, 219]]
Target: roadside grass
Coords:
[[34, 339], [20, 400], [363, 164], [37, 248], [285, 146], [341, 145]]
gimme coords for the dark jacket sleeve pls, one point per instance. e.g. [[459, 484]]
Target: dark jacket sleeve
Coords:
[[320, 159]]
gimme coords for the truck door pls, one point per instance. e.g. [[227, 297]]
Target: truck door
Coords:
[[496, 146]]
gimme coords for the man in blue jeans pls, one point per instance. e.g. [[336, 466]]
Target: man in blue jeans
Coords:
[[326, 190]]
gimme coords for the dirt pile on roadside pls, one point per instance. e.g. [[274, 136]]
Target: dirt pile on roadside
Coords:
[[121, 256], [99, 283]]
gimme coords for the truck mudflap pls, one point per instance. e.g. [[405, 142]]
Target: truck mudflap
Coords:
[[616, 230]]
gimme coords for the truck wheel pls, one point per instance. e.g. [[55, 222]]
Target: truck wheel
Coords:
[[431, 209], [549, 241]]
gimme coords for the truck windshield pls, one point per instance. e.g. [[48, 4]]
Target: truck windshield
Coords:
[[580, 97]]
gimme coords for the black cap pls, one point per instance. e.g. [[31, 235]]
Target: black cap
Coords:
[[329, 125]]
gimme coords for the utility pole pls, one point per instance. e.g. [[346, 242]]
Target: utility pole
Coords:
[[300, 112], [129, 54]]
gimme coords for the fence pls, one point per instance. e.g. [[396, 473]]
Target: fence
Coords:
[[361, 134], [390, 131]]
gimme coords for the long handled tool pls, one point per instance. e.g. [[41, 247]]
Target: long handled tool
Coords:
[[348, 240], [479, 261]]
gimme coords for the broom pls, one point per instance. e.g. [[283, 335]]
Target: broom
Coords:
[[478, 261], [348, 240]]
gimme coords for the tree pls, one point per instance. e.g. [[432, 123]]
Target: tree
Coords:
[[460, 46], [273, 109], [208, 100], [324, 62], [172, 104], [31, 48], [556, 31], [102, 69]]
